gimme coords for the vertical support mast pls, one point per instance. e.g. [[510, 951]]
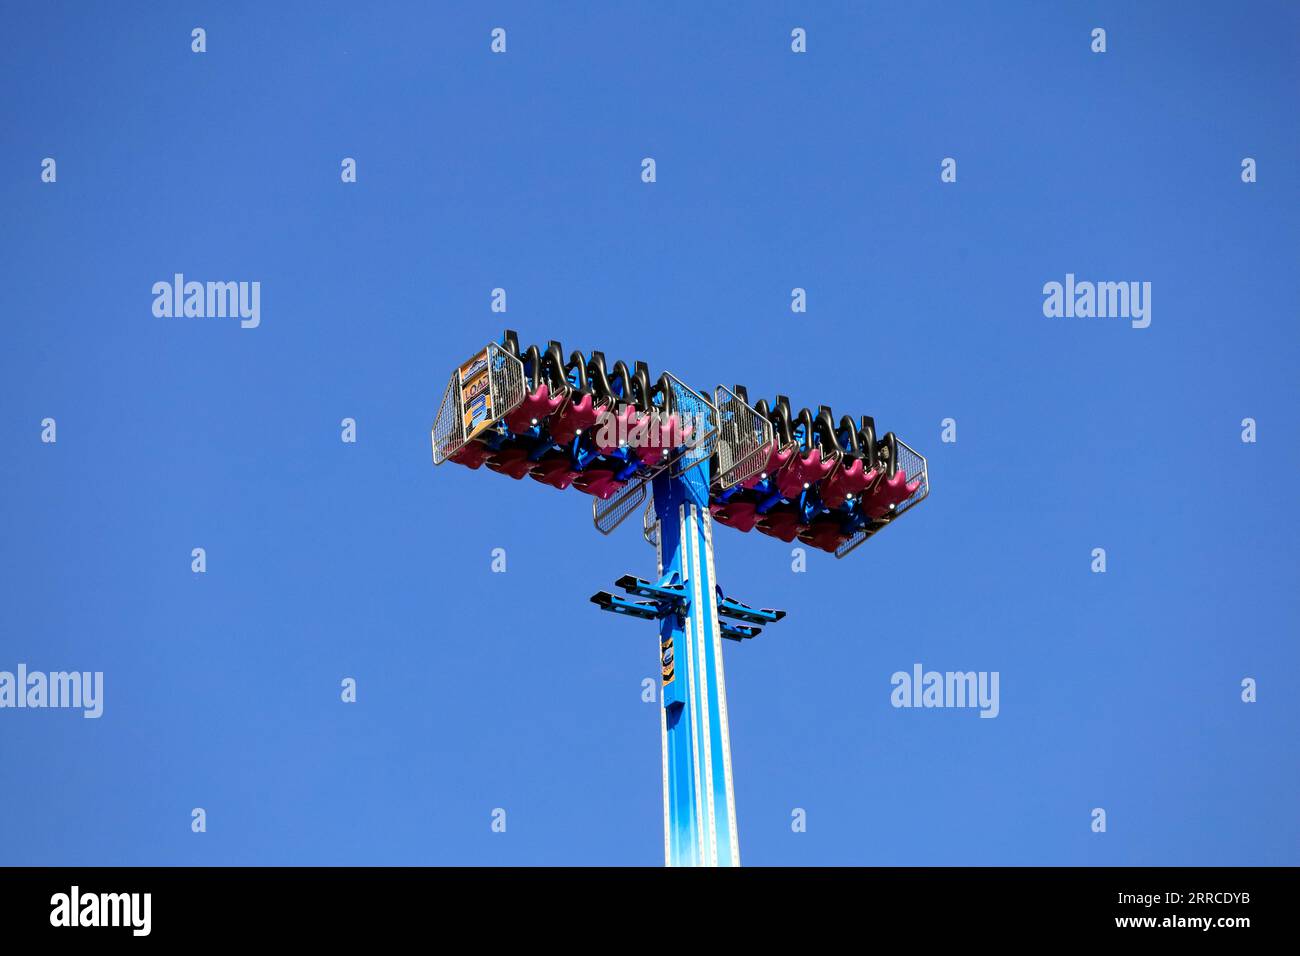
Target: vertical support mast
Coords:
[[528, 412], [699, 798]]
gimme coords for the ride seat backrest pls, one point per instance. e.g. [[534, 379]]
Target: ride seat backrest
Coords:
[[634, 386], [867, 441], [806, 422], [824, 430], [889, 448], [782, 408], [533, 367], [761, 407], [621, 379], [663, 392], [553, 368], [510, 342], [576, 374], [598, 378], [641, 386], [780, 419], [849, 439]]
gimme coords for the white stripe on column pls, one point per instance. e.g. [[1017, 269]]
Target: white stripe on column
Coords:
[[693, 701], [702, 631], [663, 716], [663, 740], [722, 701]]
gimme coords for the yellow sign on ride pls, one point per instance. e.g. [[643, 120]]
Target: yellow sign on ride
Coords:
[[476, 394]]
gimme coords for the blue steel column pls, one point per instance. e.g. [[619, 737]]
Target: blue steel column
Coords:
[[699, 798]]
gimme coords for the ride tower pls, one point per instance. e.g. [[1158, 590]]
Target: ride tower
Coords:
[[607, 431]]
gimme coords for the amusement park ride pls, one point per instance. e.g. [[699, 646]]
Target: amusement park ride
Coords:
[[612, 433]]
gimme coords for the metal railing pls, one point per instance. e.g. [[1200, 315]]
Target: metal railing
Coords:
[[506, 383], [745, 439], [914, 466]]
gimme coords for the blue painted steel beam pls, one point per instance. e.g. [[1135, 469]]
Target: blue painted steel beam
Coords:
[[739, 632], [699, 795], [730, 607], [672, 590], [621, 605]]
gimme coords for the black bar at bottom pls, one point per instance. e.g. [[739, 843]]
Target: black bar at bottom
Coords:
[[217, 904]]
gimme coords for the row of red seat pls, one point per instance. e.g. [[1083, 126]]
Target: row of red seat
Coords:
[[619, 419], [876, 495]]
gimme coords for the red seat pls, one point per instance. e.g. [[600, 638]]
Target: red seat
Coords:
[[777, 459], [808, 469], [614, 427], [536, 406], [510, 461], [472, 454], [779, 524], [889, 491], [598, 482], [848, 480], [740, 515], [555, 470], [823, 533], [577, 416], [660, 436]]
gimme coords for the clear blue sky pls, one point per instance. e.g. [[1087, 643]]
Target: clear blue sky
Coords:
[[478, 690]]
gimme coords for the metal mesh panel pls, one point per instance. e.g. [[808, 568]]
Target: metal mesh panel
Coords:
[[744, 438], [703, 417], [699, 412], [650, 523], [856, 539], [507, 381], [914, 466], [611, 513], [448, 431], [506, 374]]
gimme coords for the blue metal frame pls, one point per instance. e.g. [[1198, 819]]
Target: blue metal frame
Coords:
[[699, 796]]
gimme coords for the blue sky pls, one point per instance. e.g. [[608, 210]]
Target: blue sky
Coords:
[[479, 690]]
